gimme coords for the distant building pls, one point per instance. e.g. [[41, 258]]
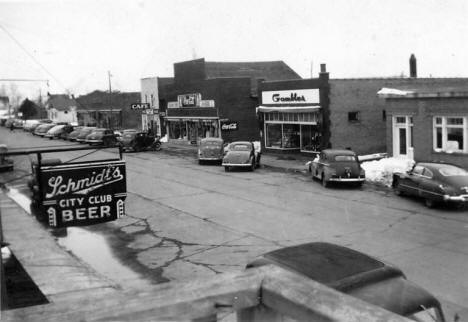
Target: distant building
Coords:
[[61, 108], [114, 110], [216, 99]]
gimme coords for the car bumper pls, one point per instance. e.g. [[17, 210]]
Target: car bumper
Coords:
[[93, 141], [460, 198], [347, 179], [246, 165], [209, 159]]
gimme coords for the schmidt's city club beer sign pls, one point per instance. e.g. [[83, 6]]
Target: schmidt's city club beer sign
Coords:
[[85, 193]]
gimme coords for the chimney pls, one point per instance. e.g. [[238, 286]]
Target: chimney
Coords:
[[323, 72], [412, 66]]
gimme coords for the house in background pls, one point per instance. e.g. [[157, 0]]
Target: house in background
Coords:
[[99, 108], [61, 108]]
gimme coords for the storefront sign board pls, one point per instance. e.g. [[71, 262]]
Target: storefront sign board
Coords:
[[298, 96], [189, 100], [84, 193], [140, 106]]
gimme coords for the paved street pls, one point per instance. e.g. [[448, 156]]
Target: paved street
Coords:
[[186, 221]]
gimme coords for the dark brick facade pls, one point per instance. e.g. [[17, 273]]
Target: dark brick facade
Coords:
[[230, 85], [371, 133]]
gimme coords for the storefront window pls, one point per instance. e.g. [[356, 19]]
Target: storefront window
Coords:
[[177, 130], [310, 138], [291, 136], [273, 135]]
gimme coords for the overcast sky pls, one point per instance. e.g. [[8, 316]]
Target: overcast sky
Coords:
[[74, 43]]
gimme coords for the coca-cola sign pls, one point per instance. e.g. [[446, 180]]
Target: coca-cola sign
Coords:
[[83, 193], [229, 126]]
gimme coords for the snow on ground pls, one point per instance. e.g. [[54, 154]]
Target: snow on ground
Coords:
[[381, 171]]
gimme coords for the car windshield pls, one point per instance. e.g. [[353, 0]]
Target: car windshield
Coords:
[[449, 171], [240, 147], [340, 158]]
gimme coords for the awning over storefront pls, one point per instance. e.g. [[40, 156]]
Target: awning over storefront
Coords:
[[288, 109]]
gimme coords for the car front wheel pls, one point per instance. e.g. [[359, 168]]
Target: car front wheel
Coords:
[[396, 188], [325, 183], [429, 203]]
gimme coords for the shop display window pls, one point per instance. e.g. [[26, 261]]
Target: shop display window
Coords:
[[273, 135], [291, 136], [310, 138], [177, 130]]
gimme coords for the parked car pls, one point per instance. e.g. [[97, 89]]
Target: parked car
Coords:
[[50, 134], [139, 141], [358, 275], [42, 129], [335, 165], [241, 154], [211, 149], [32, 127], [30, 124], [436, 183], [18, 123], [101, 136], [84, 132], [64, 132], [74, 134]]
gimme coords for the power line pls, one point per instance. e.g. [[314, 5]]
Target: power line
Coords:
[[32, 56]]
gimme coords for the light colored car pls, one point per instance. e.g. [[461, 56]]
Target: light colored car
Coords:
[[210, 149], [241, 154], [51, 133], [335, 165]]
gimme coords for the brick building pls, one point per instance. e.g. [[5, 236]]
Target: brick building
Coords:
[[114, 110], [216, 99], [293, 114], [428, 119]]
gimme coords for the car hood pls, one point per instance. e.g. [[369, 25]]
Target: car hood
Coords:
[[397, 295], [237, 157]]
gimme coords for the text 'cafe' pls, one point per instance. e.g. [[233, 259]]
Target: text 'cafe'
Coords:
[[290, 114]]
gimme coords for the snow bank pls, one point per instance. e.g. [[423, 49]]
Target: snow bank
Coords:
[[381, 171]]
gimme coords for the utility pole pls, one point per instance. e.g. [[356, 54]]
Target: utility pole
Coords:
[[110, 100]]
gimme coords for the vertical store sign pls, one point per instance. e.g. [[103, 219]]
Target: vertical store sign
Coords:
[[84, 193]]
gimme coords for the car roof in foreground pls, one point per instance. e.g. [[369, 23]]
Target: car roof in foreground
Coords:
[[354, 273]]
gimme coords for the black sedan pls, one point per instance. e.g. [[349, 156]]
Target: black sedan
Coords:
[[358, 275], [335, 165], [434, 182], [241, 154]]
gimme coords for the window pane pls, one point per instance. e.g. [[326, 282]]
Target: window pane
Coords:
[[310, 138], [454, 139], [291, 137], [400, 120], [438, 138], [438, 120], [273, 135], [455, 121]]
